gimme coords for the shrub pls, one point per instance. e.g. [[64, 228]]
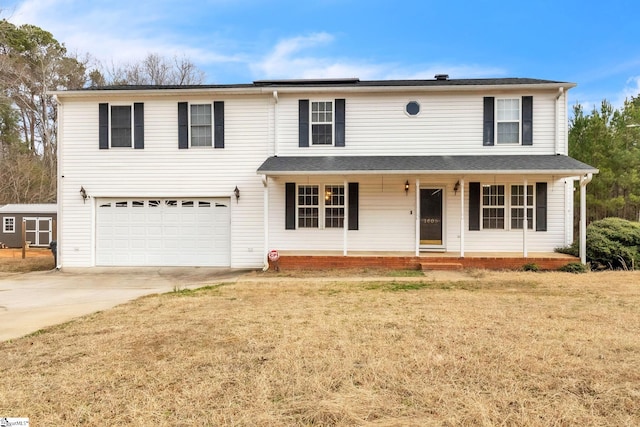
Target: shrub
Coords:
[[532, 266], [574, 267], [613, 243]]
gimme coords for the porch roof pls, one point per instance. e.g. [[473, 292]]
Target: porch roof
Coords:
[[441, 165]]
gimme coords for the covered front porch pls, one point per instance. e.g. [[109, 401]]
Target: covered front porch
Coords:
[[402, 260], [421, 211]]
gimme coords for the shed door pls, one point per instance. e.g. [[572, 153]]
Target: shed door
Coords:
[[38, 231], [163, 232]]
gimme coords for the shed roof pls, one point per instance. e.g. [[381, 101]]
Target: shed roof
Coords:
[[30, 208]]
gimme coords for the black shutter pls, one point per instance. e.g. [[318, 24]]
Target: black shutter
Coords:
[[303, 123], [488, 132], [541, 206], [340, 122], [218, 120], [354, 197], [138, 125], [474, 206], [290, 206], [527, 120], [183, 125], [103, 126]]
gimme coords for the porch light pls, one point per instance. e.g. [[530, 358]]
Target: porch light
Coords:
[[456, 187], [83, 194], [406, 187], [236, 192]]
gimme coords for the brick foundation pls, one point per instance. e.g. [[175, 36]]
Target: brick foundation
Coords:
[[311, 262]]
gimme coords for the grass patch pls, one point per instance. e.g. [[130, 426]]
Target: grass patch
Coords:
[[19, 265], [560, 350]]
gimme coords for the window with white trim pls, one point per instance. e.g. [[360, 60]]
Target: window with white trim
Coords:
[[508, 121], [517, 206], [493, 207], [334, 206], [322, 123], [9, 224], [121, 126], [308, 206], [201, 125]]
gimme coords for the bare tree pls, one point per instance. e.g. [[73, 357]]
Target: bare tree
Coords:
[[154, 69]]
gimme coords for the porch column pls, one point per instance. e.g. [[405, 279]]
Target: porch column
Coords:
[[417, 214], [345, 225], [462, 217], [265, 209], [586, 179], [525, 224]]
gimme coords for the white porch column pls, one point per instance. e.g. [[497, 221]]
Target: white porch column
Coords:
[[417, 214], [462, 217], [345, 225], [586, 179], [525, 224], [265, 201]]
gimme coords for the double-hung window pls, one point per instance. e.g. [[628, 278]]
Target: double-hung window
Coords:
[[518, 206], [121, 125], [201, 133], [308, 206], [334, 206], [493, 207], [9, 224], [508, 121], [322, 123]]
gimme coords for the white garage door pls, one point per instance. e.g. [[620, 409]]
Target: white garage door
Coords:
[[163, 232]]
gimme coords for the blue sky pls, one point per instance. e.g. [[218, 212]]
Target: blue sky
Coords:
[[593, 44]]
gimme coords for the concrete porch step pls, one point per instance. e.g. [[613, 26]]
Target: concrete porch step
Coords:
[[441, 266]]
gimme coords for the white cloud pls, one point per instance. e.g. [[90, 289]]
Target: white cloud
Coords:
[[294, 58]]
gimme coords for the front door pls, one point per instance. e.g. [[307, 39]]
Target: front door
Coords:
[[431, 218]]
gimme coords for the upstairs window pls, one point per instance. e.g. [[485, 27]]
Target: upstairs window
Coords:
[[322, 123], [508, 121], [121, 126], [201, 125]]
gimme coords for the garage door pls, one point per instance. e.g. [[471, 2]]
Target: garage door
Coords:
[[163, 232]]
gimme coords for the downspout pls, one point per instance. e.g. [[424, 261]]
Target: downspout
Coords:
[[417, 213], [345, 226], [584, 180], [525, 223], [557, 110], [275, 123], [60, 176], [265, 252], [462, 217]]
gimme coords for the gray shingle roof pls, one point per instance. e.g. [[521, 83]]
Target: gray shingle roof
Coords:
[[494, 164], [340, 83]]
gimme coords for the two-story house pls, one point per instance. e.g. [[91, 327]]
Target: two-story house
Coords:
[[337, 170]]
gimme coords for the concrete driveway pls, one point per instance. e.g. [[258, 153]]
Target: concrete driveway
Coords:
[[32, 301]]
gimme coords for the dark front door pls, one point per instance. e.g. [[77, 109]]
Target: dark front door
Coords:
[[431, 216]]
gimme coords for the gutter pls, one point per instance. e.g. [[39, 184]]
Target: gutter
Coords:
[[557, 110]]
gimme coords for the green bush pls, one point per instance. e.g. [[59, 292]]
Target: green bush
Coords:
[[574, 267], [611, 243], [532, 266]]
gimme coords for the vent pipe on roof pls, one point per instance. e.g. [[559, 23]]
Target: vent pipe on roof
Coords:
[[442, 76]]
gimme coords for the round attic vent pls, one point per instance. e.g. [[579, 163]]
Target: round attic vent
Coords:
[[412, 108]]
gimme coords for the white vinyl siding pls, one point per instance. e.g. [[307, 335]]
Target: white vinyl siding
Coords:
[[161, 170], [448, 124]]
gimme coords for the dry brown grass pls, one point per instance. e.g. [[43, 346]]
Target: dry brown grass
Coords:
[[30, 263], [539, 349]]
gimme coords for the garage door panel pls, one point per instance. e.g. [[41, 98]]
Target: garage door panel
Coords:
[[159, 232]]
